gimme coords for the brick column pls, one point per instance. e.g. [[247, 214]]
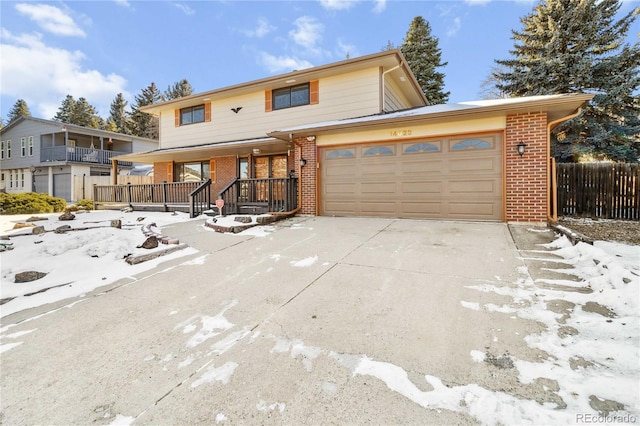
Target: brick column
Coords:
[[526, 177], [308, 175]]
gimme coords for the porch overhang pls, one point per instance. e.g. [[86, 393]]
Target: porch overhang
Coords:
[[258, 146]]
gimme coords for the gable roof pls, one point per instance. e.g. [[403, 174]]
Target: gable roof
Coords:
[[74, 128], [389, 60], [557, 106]]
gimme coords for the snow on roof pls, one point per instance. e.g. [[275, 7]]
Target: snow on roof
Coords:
[[431, 110]]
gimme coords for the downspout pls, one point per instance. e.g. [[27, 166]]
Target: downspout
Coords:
[[383, 91], [551, 190], [297, 209]]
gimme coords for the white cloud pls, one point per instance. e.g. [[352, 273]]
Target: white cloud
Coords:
[[51, 19], [184, 8], [380, 6], [337, 4], [123, 3], [43, 75], [262, 29], [308, 32], [279, 64], [454, 27], [343, 49]]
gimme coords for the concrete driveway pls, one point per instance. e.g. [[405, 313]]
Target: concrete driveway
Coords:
[[320, 321]]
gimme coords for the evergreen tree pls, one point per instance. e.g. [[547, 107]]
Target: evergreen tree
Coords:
[[424, 56], [19, 109], [576, 46], [179, 90], [146, 125], [80, 113], [119, 117]]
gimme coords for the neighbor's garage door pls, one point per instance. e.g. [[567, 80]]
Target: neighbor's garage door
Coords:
[[453, 178]]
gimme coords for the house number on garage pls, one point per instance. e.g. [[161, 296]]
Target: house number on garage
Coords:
[[401, 133]]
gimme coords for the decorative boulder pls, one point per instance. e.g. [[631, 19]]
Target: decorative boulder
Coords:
[[62, 229], [67, 216], [116, 223], [28, 276], [150, 242], [243, 219], [38, 230]]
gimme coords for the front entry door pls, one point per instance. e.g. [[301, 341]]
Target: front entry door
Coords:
[[274, 166]]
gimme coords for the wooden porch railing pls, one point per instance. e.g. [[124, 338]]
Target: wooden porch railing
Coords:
[[200, 199], [270, 195], [165, 196]]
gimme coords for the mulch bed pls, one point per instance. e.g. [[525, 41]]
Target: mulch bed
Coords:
[[622, 231]]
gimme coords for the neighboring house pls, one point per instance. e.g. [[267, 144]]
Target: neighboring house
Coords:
[[38, 155], [363, 141]]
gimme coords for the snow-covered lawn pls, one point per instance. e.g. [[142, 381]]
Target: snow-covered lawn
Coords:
[[77, 261]]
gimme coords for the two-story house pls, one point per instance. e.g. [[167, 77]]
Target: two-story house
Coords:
[[38, 155], [362, 140]]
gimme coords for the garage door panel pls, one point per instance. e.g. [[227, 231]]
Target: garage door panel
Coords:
[[340, 188], [374, 208], [422, 168], [456, 178], [345, 207], [378, 188], [422, 209], [472, 164], [340, 170], [471, 210], [425, 187], [472, 186]]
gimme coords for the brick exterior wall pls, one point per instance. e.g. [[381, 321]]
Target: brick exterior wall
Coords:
[[226, 171], [526, 176], [308, 175]]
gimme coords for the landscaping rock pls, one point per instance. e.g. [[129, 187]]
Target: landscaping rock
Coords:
[[150, 242], [38, 230], [117, 223], [28, 276], [62, 229], [262, 220], [242, 219], [23, 225], [67, 216], [36, 218]]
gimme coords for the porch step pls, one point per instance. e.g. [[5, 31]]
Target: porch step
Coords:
[[253, 208]]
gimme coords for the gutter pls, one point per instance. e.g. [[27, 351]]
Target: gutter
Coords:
[[551, 175]]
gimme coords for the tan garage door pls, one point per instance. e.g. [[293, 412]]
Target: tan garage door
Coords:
[[452, 178]]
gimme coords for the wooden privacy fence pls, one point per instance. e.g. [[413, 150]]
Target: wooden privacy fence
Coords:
[[83, 185], [602, 190]]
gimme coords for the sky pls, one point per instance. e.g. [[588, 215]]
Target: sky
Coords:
[[608, 346], [97, 49]]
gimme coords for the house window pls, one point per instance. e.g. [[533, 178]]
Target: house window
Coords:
[[378, 150], [30, 146], [1, 150], [22, 178], [192, 172], [291, 96], [8, 149], [192, 115], [471, 144], [10, 179], [340, 153], [23, 147], [417, 148]]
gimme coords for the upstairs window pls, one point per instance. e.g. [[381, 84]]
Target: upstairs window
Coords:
[[192, 115], [2, 151], [8, 149], [23, 147], [30, 146], [293, 96]]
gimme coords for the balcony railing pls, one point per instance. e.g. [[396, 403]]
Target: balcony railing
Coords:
[[79, 155]]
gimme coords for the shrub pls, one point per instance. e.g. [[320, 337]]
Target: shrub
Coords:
[[30, 203], [81, 205]]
